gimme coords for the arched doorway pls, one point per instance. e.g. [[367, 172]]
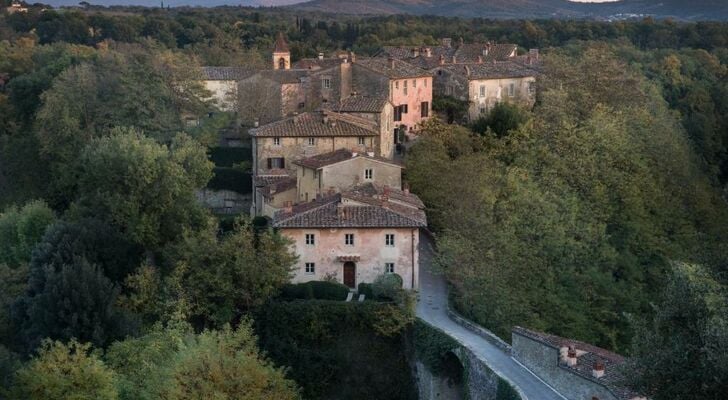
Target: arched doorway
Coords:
[[350, 274], [282, 63]]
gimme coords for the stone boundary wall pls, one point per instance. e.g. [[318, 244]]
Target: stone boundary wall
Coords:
[[480, 331]]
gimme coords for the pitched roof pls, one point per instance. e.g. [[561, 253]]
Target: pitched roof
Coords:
[[269, 179], [337, 156], [492, 70], [361, 104], [281, 46], [226, 73], [317, 63], [331, 212], [587, 356], [278, 186], [317, 123], [368, 191], [392, 68], [463, 53], [284, 76]]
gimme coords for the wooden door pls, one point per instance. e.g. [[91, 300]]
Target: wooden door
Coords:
[[350, 274]]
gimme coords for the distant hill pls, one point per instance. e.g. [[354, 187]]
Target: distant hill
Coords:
[[681, 9]]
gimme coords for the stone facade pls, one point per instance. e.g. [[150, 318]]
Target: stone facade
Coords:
[[329, 252], [342, 175]]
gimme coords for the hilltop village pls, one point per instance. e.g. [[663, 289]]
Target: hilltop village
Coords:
[[328, 138]]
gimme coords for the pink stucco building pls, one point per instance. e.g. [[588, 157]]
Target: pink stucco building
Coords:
[[355, 236]]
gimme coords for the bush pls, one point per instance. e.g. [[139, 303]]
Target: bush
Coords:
[[319, 290], [506, 391], [388, 287], [227, 157], [366, 290], [233, 179]]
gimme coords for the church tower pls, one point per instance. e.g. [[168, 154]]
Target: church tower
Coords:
[[281, 54]]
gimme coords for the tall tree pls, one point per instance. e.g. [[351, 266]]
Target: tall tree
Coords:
[[143, 189], [21, 229], [65, 372], [681, 351]]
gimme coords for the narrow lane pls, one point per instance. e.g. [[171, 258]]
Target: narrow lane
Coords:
[[432, 307]]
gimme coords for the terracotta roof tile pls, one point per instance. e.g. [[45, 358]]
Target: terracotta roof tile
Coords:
[[361, 104], [367, 211], [318, 124], [226, 73], [492, 70], [337, 156], [278, 186], [396, 69]]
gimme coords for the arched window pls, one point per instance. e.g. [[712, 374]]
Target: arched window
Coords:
[[282, 63]]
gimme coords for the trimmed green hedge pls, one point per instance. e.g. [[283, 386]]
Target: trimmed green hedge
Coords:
[[333, 350], [231, 179], [319, 290], [366, 290], [228, 156]]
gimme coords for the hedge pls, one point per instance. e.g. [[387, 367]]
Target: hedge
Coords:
[[506, 391], [431, 346], [228, 156], [231, 179], [319, 290]]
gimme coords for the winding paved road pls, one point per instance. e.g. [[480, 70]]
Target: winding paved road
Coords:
[[432, 307]]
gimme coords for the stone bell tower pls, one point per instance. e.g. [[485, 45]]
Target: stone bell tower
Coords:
[[281, 53]]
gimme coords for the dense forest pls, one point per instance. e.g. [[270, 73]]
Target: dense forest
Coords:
[[600, 214]]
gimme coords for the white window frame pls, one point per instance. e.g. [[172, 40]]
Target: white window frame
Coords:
[[310, 268], [389, 240], [349, 239], [312, 141], [389, 268], [276, 141], [362, 140], [326, 83], [368, 174], [483, 91], [511, 89], [310, 239]]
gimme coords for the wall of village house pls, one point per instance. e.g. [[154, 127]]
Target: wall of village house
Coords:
[[277, 201], [223, 93], [344, 175], [368, 245], [295, 148], [412, 92], [385, 122], [497, 90]]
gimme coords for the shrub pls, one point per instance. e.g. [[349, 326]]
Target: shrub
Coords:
[[388, 287], [366, 290], [319, 290], [231, 179], [506, 391], [229, 156]]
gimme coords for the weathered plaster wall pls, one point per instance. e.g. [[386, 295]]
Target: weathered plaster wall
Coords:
[[412, 92], [368, 245], [543, 360], [497, 90], [294, 148], [343, 175], [224, 201], [223, 93]]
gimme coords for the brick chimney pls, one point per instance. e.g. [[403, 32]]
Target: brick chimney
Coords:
[[341, 211], [598, 369], [288, 207], [352, 57], [571, 357], [467, 70], [428, 52], [454, 59], [446, 42], [390, 62], [321, 56], [480, 59], [442, 59], [415, 52], [533, 53]]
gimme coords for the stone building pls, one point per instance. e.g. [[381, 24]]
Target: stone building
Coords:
[[16, 7], [355, 236], [407, 87], [222, 83], [429, 57], [577, 370], [486, 83], [342, 169], [281, 53]]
